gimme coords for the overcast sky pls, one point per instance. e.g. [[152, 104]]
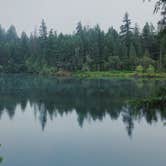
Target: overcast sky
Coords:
[[63, 15]]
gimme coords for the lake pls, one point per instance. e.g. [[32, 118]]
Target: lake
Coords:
[[46, 121]]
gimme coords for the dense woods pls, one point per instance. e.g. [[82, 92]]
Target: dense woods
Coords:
[[87, 49]]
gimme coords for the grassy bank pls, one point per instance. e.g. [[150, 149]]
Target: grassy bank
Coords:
[[109, 74]]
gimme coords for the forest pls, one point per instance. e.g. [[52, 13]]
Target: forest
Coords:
[[86, 49]]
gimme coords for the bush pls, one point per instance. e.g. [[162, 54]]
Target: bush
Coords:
[[150, 69], [139, 69], [85, 67], [1, 68], [63, 73], [114, 62], [146, 60], [46, 70]]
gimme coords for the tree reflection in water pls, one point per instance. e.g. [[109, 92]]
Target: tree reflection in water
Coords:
[[91, 99], [1, 158]]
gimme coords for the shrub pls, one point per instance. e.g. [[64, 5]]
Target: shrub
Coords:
[[114, 62], [63, 73], [1, 68], [46, 70], [139, 69], [150, 69], [146, 60], [85, 67]]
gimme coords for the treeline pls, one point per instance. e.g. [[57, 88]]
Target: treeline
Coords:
[[87, 49]]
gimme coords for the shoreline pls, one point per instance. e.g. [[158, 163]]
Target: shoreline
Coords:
[[97, 74], [122, 74]]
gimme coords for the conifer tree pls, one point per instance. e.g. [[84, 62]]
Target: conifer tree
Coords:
[[126, 32]]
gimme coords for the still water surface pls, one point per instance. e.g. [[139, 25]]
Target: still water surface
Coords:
[[72, 122]]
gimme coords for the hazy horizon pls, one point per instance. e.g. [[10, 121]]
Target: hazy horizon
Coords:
[[63, 15]]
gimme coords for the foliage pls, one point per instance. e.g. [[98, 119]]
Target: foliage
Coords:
[[46, 70], [114, 73], [87, 49], [150, 69], [126, 32], [62, 73], [114, 62], [162, 59], [160, 5], [133, 59], [147, 60], [104, 74], [139, 69]]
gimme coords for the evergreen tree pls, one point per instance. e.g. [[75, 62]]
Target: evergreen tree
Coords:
[[126, 32], [162, 59], [80, 31], [51, 49], [100, 42], [137, 41], [133, 61], [12, 34], [43, 43]]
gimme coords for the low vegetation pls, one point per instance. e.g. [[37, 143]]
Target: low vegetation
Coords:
[[109, 74]]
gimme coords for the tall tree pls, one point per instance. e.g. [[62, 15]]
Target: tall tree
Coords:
[[12, 34], [51, 49], [100, 48], [43, 42], [137, 41], [80, 31], [24, 50], [126, 32]]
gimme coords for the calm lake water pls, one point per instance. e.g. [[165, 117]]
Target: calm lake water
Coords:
[[72, 122]]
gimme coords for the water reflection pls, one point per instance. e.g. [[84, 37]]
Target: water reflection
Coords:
[[1, 158], [91, 99]]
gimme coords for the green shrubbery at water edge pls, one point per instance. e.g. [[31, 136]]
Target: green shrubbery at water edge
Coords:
[[140, 72]]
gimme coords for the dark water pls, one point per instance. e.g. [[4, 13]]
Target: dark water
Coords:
[[69, 122]]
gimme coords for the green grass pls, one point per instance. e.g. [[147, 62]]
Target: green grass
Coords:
[[110, 74]]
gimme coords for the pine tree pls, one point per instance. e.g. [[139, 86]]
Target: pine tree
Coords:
[[100, 48], [133, 57], [80, 32], [12, 34], [24, 50], [51, 49], [126, 32], [162, 58], [43, 30], [137, 41], [43, 43]]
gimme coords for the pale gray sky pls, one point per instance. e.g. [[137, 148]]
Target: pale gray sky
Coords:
[[62, 15]]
